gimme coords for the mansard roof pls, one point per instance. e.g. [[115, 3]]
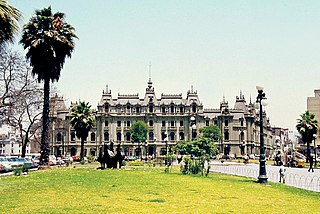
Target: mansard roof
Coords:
[[150, 97]]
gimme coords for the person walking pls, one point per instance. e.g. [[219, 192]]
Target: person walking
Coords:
[[311, 163], [282, 171]]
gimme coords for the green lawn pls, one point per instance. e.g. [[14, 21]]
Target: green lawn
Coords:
[[147, 190]]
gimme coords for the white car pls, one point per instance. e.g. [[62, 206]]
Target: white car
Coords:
[[5, 165]]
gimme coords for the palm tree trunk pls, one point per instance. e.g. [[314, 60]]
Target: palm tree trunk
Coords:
[[82, 148], [44, 160]]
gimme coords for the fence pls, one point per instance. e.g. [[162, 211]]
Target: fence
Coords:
[[308, 182]]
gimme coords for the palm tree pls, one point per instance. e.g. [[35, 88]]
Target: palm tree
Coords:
[[307, 126], [9, 18], [82, 120], [48, 40]]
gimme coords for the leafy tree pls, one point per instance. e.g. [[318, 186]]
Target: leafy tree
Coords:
[[82, 120], [198, 147], [9, 18], [139, 132], [307, 126], [212, 132], [48, 40]]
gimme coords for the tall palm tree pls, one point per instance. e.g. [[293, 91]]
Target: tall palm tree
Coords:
[[9, 18], [48, 40], [82, 120], [307, 126]]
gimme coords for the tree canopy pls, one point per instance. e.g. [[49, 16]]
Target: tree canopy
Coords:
[[199, 147], [139, 132], [212, 132], [48, 40], [9, 18], [307, 126], [82, 120]]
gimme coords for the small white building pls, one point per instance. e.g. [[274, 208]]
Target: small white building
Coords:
[[10, 141]]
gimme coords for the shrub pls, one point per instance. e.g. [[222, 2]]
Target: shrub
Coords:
[[17, 170], [90, 158]]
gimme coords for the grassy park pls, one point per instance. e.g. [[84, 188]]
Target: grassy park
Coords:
[[147, 190]]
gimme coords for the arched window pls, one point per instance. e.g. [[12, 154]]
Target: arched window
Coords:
[[119, 136], [172, 109], [163, 109], [151, 136], [59, 137], [138, 109], [151, 108], [73, 136], [128, 136], [181, 109], [181, 136], [163, 136], [226, 135], [93, 136], [128, 108], [106, 108], [172, 136], [242, 136], [150, 122], [194, 108], [106, 136]]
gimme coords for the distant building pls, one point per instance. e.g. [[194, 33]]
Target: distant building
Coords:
[[10, 142], [172, 115], [313, 106]]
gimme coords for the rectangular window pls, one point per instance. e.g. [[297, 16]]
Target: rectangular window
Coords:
[[118, 123], [181, 123], [172, 123], [163, 123], [106, 123], [207, 122], [128, 124]]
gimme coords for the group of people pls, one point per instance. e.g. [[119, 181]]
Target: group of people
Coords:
[[282, 170]]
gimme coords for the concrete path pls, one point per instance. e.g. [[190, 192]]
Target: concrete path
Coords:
[[297, 177]]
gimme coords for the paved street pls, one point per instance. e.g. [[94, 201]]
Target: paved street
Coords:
[[297, 177]]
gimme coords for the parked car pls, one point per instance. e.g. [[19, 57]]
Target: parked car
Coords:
[[33, 164], [5, 165], [35, 160], [24, 162], [14, 161]]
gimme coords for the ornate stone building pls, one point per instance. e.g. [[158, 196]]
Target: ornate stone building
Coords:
[[173, 116]]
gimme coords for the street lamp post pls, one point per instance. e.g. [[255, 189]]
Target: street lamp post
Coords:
[[146, 146], [166, 158], [315, 150], [262, 169]]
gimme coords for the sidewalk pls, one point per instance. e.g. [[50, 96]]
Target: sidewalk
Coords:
[[297, 177]]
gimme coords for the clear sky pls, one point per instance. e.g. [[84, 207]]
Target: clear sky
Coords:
[[219, 47]]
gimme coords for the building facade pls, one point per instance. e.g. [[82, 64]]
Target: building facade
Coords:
[[313, 106], [10, 142], [170, 118]]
